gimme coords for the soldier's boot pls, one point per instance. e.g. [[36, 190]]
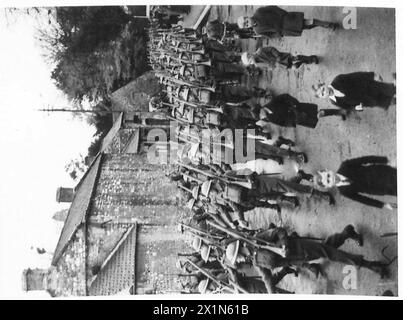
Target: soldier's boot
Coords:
[[315, 268], [349, 232], [324, 195], [301, 59], [379, 267], [291, 200]]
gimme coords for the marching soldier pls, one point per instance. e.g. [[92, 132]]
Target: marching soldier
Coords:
[[270, 56], [302, 252]]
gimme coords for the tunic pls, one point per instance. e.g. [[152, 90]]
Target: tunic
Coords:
[[288, 112], [272, 20], [271, 56]]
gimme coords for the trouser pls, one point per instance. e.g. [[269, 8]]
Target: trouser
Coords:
[[332, 112], [312, 23], [301, 59], [270, 151]]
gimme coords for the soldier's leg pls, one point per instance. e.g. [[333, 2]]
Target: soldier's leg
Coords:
[[276, 153], [332, 112], [355, 260], [312, 23], [301, 59], [279, 275]]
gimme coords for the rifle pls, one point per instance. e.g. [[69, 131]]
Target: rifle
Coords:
[[208, 275], [252, 241], [186, 137], [198, 230], [196, 105], [184, 83], [245, 184]]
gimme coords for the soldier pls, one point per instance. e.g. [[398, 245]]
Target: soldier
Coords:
[[286, 111], [270, 56], [220, 30], [303, 252], [276, 188], [289, 170], [273, 21]]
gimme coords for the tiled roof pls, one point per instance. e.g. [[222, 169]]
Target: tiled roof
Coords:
[[78, 208], [83, 193], [107, 140], [118, 271]]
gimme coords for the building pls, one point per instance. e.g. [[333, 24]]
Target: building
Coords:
[[120, 233]]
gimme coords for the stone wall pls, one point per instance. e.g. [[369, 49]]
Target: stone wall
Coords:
[[68, 278], [129, 190], [157, 253]]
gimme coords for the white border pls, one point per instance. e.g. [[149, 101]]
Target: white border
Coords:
[[398, 5]]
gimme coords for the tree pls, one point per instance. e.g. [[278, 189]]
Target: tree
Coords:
[[95, 50], [76, 168]]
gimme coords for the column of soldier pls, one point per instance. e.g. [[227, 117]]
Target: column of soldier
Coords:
[[202, 74]]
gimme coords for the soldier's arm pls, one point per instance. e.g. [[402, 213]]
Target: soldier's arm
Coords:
[[351, 194], [367, 160]]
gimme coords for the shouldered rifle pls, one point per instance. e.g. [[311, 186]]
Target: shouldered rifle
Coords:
[[245, 184], [197, 105], [184, 83], [200, 231], [250, 240], [211, 277]]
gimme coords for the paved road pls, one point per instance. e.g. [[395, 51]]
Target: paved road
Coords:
[[371, 47]]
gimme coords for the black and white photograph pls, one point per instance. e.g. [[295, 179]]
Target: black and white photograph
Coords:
[[208, 149]]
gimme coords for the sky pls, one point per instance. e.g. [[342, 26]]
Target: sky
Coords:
[[35, 147]]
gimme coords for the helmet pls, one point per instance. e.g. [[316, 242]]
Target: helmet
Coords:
[[190, 204], [195, 192], [247, 59], [205, 188], [203, 286], [197, 243], [205, 252], [232, 251], [153, 104]]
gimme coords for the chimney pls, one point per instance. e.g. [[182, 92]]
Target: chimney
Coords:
[[34, 279], [64, 194]]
